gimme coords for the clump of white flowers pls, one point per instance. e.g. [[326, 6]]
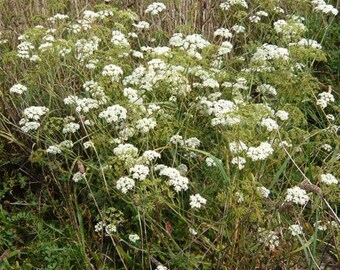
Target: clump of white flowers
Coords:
[[197, 201], [125, 151], [134, 238], [161, 267], [18, 89], [114, 114], [119, 39], [71, 128], [328, 179], [139, 172], [78, 176], [266, 89], [124, 184], [269, 238], [324, 98], [297, 195], [176, 180], [225, 6], [113, 71], [237, 147], [322, 6], [282, 115], [295, 229], [269, 124], [263, 151], [263, 191], [239, 161], [142, 25], [155, 8], [145, 125], [35, 112], [223, 32], [53, 150]]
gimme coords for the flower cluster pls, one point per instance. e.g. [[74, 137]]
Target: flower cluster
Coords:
[[328, 179], [263, 151], [269, 238], [18, 89], [297, 195], [197, 201], [155, 8], [324, 98], [124, 184], [113, 71], [322, 6], [295, 229], [225, 6], [139, 172], [176, 180], [114, 114]]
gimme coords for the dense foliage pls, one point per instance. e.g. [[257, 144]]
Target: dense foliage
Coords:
[[125, 145]]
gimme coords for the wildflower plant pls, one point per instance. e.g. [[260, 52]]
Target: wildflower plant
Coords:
[[174, 151]]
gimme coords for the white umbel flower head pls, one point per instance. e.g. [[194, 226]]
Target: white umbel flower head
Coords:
[[328, 179], [197, 201], [124, 184], [18, 89], [297, 195]]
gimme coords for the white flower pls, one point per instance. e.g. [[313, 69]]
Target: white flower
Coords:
[[240, 197], [238, 28], [328, 179], [269, 124], [175, 179], [210, 162], [282, 115], [192, 231], [119, 39], [327, 147], [18, 89], [155, 8], [142, 25], [151, 155], [237, 147], [78, 176], [124, 184], [88, 144], [134, 238], [263, 151], [53, 150], [192, 142], [269, 238], [239, 161], [225, 48], [263, 191], [197, 201], [66, 144], [71, 128], [35, 112], [266, 89], [295, 229], [324, 99], [115, 113], [229, 3], [223, 32], [99, 227], [161, 267], [113, 71], [145, 125], [28, 126], [125, 151], [211, 83], [139, 172], [297, 195], [177, 139], [110, 229]]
